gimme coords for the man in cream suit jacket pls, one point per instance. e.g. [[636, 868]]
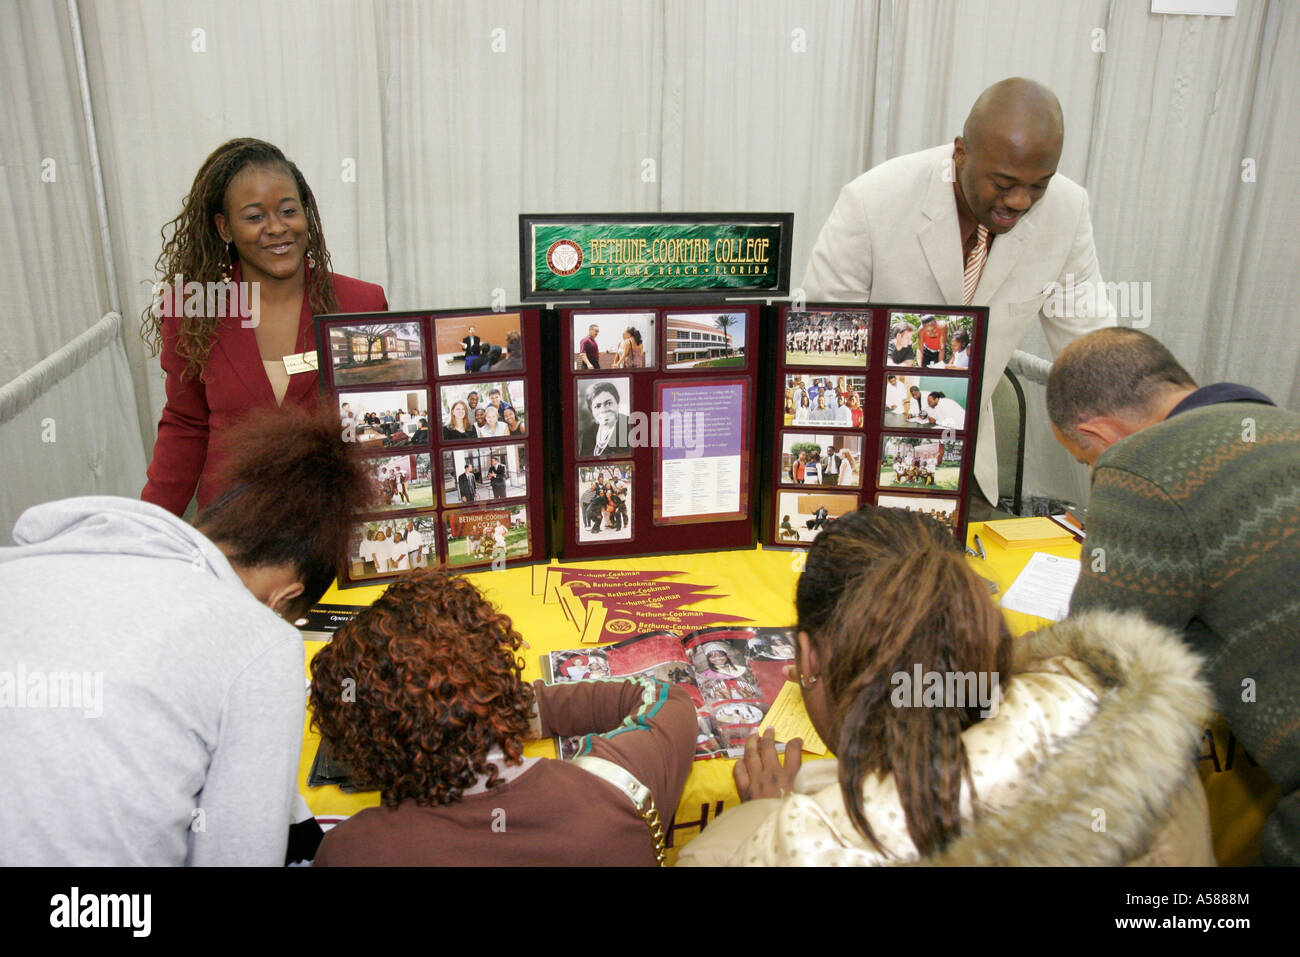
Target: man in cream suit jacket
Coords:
[[901, 232]]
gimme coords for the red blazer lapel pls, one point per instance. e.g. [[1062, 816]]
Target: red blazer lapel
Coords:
[[238, 344], [304, 384]]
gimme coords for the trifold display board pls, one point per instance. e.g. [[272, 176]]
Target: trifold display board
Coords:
[[446, 410], [660, 371], [658, 413], [600, 431], [672, 410], [873, 405]]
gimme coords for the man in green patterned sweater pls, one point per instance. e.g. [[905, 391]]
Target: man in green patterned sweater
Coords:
[[1195, 520]]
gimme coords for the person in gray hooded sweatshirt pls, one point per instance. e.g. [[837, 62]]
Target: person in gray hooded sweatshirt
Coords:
[[151, 688]]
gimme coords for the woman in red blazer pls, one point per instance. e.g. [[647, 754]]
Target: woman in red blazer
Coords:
[[250, 219]]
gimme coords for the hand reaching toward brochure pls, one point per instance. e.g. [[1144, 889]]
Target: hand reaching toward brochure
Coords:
[[760, 774]]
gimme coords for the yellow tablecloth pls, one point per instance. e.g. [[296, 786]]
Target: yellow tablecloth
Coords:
[[756, 584], [760, 585]]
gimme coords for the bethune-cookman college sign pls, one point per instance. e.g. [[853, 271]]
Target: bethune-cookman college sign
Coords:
[[630, 254]]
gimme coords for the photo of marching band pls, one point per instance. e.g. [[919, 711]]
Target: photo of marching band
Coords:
[[827, 338]]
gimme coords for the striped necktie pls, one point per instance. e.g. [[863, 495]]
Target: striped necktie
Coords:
[[975, 264]]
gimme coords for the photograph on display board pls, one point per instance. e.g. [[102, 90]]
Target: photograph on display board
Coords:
[[704, 340], [826, 338], [485, 474], [370, 353], [834, 401], [402, 482], [925, 402], [902, 332], [929, 463], [959, 336], [613, 340], [942, 510], [483, 410], [701, 451], [930, 340], [384, 547], [484, 342], [603, 408], [478, 536], [802, 515], [821, 459], [605, 502], [385, 419]]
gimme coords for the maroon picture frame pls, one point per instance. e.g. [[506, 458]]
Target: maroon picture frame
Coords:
[[649, 535], [874, 426], [438, 371]]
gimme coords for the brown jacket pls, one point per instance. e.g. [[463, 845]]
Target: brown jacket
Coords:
[[549, 813]]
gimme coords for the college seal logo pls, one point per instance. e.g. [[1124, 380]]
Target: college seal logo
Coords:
[[564, 257], [620, 626]]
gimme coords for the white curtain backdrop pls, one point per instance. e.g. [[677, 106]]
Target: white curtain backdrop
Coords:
[[457, 115], [52, 285], [496, 108], [65, 426]]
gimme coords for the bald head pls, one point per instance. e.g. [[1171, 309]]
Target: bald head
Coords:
[[1015, 111], [1008, 152]]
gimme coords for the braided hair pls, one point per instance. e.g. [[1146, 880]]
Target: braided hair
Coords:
[[195, 250], [859, 603]]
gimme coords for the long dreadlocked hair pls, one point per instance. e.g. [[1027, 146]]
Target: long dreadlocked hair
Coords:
[[196, 251], [859, 601]]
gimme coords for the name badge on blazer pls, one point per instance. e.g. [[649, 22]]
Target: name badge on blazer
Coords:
[[302, 362]]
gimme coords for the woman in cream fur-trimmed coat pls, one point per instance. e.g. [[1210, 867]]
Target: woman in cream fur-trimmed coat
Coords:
[[1087, 760]]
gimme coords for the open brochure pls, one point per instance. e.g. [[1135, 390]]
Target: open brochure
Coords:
[[732, 674]]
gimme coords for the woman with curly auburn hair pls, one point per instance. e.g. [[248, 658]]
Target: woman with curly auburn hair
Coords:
[[421, 694], [956, 745], [240, 276]]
